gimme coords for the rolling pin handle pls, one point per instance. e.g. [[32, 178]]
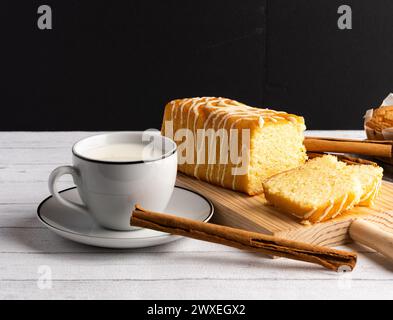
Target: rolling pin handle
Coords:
[[370, 235]]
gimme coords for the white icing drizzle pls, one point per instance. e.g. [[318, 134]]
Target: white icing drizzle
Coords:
[[297, 215], [261, 121], [226, 165], [191, 108], [195, 109], [222, 124], [181, 107], [292, 119], [376, 190], [226, 113], [347, 207], [257, 113], [208, 104], [342, 203], [326, 211], [309, 214], [222, 111], [372, 193], [369, 196], [220, 101], [173, 105], [196, 113]]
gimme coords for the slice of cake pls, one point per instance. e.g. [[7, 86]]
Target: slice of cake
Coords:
[[230, 144], [370, 178], [323, 188]]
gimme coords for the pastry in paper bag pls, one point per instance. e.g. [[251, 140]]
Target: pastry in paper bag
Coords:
[[378, 122]]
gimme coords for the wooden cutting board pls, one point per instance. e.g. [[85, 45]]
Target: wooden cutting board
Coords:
[[254, 214]]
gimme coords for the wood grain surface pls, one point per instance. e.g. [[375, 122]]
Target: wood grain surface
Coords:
[[253, 213]]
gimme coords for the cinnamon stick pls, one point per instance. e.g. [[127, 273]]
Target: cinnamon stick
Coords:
[[252, 241], [364, 147]]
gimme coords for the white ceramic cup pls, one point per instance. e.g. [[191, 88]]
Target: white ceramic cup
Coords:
[[110, 189]]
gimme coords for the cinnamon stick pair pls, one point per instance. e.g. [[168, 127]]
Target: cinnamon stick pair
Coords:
[[332, 259], [364, 147]]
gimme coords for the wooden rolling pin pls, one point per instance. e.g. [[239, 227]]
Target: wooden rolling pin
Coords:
[[365, 147], [372, 236], [332, 259]]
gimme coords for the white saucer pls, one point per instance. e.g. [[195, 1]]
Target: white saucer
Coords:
[[81, 228]]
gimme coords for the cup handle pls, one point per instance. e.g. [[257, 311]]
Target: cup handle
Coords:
[[54, 176]]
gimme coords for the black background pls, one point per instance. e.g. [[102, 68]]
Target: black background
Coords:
[[112, 65]]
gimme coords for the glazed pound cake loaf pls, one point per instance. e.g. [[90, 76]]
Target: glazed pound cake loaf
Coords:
[[323, 188], [265, 141]]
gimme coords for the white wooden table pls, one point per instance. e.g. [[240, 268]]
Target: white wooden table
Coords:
[[185, 269]]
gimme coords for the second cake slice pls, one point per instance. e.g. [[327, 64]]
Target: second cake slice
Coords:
[[323, 188]]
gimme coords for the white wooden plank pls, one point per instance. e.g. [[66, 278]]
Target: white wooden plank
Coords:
[[19, 216], [200, 289], [177, 265], [16, 156], [23, 173], [29, 192], [42, 240], [48, 139]]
